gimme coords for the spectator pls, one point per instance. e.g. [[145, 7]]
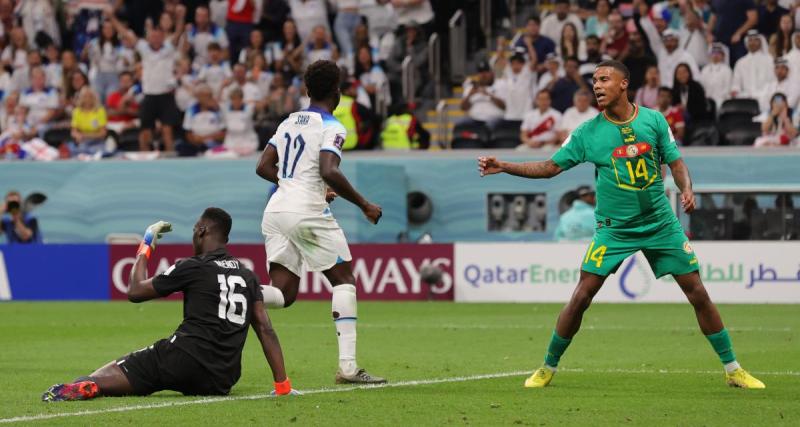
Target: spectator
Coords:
[[53, 68], [638, 61], [381, 24], [754, 70], [729, 22], [185, 81], [320, 46], [344, 25], [570, 44], [647, 95], [88, 124], [158, 85], [200, 35], [615, 42], [260, 75], [782, 84], [69, 66], [203, 123], [592, 58], [77, 81], [564, 88], [216, 70], [103, 54], [780, 43], [21, 76], [794, 55], [15, 53], [482, 99], [413, 44], [519, 83], [553, 23], [371, 76], [577, 223], [580, 112], [17, 131], [717, 76], [41, 101], [281, 101], [776, 126], [8, 109], [417, 12], [597, 24], [250, 90], [241, 17], [553, 72], [689, 94], [286, 54], [123, 104], [274, 14], [254, 48], [769, 15], [539, 126], [692, 37], [672, 113], [669, 55], [309, 14], [39, 22], [240, 133], [18, 225], [402, 131], [542, 44]]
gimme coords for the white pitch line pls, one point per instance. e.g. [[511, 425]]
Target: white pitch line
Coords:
[[533, 327], [410, 383]]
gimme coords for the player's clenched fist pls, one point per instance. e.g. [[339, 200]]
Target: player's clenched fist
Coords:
[[372, 212], [151, 236], [687, 201], [488, 165]]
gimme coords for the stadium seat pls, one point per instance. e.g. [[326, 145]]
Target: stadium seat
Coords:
[[742, 133], [711, 224], [506, 135], [470, 135], [729, 121], [702, 133], [55, 137], [740, 105], [711, 108], [128, 140]]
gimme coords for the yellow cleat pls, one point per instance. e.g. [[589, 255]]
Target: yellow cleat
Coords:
[[540, 378], [740, 378]]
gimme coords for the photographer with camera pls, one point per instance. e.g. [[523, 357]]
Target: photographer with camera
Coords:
[[18, 226]]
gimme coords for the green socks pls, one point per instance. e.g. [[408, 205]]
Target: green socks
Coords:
[[557, 347], [721, 342]]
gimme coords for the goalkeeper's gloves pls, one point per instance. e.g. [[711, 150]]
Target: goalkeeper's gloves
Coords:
[[284, 388], [151, 236]]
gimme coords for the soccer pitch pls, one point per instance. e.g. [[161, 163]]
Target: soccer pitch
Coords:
[[448, 364]]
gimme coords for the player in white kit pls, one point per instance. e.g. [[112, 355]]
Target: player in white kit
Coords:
[[303, 159]]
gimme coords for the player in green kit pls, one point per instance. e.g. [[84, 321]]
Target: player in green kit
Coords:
[[627, 144]]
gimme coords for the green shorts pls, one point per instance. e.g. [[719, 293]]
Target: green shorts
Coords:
[[663, 243]]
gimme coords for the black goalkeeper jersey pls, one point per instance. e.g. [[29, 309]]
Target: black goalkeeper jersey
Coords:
[[218, 298]]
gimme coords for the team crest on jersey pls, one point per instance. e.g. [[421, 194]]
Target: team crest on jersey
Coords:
[[632, 150], [687, 247], [338, 142]]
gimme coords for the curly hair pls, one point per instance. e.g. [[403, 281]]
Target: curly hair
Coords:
[[322, 80]]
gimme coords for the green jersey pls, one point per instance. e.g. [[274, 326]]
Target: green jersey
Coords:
[[627, 158]]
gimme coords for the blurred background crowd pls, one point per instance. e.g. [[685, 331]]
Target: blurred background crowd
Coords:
[[141, 79]]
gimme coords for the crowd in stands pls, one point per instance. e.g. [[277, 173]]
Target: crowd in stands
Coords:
[[686, 58], [91, 79]]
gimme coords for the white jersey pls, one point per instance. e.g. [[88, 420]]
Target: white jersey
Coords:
[[299, 140]]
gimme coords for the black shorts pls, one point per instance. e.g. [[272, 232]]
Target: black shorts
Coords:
[[159, 107], [164, 366]]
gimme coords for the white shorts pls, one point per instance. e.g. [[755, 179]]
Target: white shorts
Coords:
[[294, 239]]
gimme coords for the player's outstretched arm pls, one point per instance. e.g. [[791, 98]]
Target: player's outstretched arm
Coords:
[[140, 288], [333, 176], [271, 347], [489, 165], [267, 167], [684, 182]]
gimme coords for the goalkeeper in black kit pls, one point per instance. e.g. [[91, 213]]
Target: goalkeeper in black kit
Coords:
[[203, 357]]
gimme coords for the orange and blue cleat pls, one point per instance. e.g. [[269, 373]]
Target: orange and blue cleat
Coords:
[[81, 390]]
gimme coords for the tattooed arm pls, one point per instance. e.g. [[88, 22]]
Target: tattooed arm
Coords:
[[545, 169]]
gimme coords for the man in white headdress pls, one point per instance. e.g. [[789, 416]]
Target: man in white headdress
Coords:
[[754, 71], [670, 54], [717, 75], [793, 56], [783, 85]]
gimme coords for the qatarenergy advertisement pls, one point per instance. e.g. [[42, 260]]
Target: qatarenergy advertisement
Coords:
[[733, 272]]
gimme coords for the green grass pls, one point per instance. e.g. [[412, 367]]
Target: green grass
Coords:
[[631, 364]]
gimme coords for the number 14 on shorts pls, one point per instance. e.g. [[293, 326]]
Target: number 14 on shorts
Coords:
[[595, 254]]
